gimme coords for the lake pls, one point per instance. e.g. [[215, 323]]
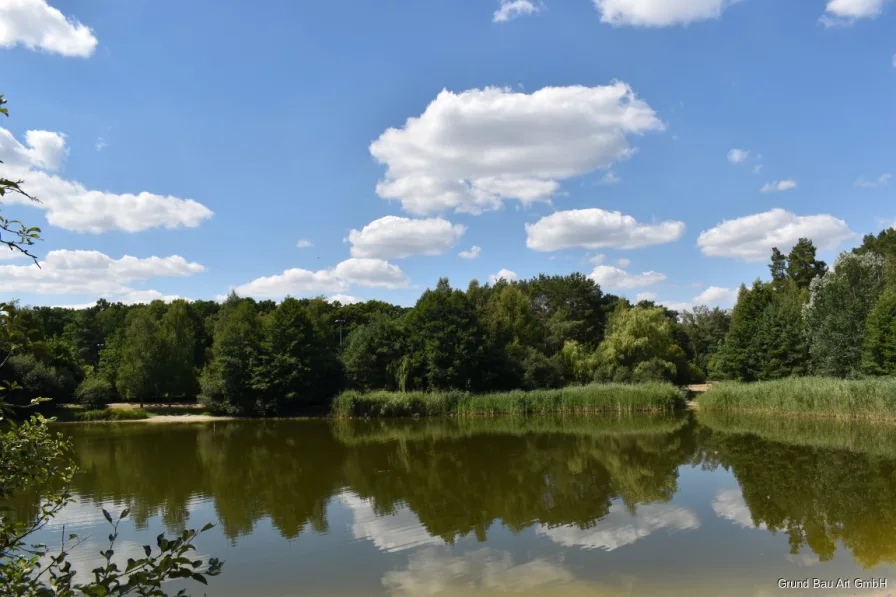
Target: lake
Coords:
[[692, 504]]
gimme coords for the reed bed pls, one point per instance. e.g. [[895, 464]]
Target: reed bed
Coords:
[[870, 398], [594, 398]]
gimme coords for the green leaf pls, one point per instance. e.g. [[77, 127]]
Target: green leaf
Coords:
[[147, 550], [124, 513], [107, 515], [207, 527], [199, 578]]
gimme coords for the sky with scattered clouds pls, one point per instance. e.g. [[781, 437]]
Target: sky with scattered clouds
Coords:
[[359, 150]]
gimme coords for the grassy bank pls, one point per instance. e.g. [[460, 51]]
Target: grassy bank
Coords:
[[111, 414], [579, 399], [873, 398]]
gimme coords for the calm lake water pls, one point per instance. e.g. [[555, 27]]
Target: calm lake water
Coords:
[[690, 505]]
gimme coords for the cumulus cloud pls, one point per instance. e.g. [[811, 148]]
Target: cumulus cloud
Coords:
[[304, 244], [72, 206], [597, 259], [613, 278], [394, 532], [623, 262], [471, 151], [844, 13], [778, 185], [392, 237], [38, 26], [595, 228], [751, 238], [738, 156], [730, 504], [296, 281], [659, 13], [619, 528], [880, 181], [436, 571], [91, 272], [645, 296], [471, 253], [715, 296], [292, 282], [376, 273], [504, 274], [511, 9], [610, 178], [345, 299]]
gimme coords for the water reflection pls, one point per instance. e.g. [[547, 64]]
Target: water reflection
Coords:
[[506, 505]]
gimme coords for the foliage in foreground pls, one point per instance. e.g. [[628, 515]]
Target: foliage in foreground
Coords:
[[614, 397], [870, 397]]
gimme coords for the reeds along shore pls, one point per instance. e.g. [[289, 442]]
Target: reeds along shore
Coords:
[[870, 398], [593, 398]]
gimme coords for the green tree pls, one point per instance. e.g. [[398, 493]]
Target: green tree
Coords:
[[738, 357], [227, 382], [780, 340], [445, 341], [139, 369], [177, 349], [372, 354], [291, 368], [879, 345], [839, 304], [568, 308], [802, 266], [707, 329], [640, 346], [778, 266]]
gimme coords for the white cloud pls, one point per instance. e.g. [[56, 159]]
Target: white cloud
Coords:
[[90, 272], [71, 206], [613, 278], [504, 274], [623, 262], [297, 281], [292, 282], [610, 178], [659, 13], [844, 13], [751, 238], [37, 26], [471, 253], [371, 272], [511, 9], [304, 244], [738, 156], [595, 228], [101, 144], [730, 504], [146, 296], [597, 259], [645, 296], [880, 181], [471, 151], [757, 168], [778, 185], [9, 255], [345, 299], [715, 296], [619, 528], [392, 237], [678, 305], [394, 532], [438, 571], [894, 60]]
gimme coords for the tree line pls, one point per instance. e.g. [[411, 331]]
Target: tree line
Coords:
[[263, 358]]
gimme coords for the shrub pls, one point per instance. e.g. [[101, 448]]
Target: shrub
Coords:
[[96, 392]]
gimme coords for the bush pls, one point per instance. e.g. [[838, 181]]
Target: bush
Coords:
[[113, 414], [96, 392], [39, 380]]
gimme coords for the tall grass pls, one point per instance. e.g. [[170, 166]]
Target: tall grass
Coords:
[[873, 398], [112, 414], [578, 399]]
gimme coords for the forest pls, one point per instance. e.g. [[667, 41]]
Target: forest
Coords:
[[261, 358]]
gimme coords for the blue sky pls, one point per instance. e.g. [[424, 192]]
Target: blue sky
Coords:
[[185, 148]]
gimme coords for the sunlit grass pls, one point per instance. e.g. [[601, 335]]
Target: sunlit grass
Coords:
[[577, 399], [112, 414], [873, 398]]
